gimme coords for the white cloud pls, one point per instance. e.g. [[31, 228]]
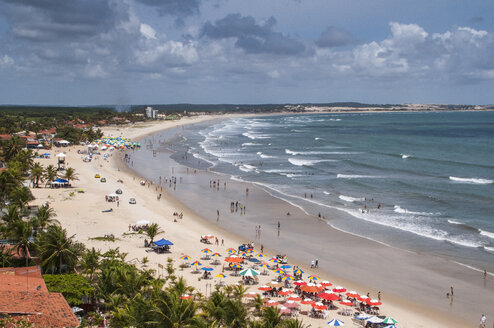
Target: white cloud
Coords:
[[148, 32], [6, 60], [174, 53]]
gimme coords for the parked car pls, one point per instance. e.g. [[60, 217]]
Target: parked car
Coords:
[[102, 180], [132, 201], [118, 191], [97, 176]]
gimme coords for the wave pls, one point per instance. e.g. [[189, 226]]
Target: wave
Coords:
[[356, 176], [400, 210], [245, 144], [487, 234], [291, 152], [471, 180], [255, 136], [318, 138], [350, 199], [248, 168], [203, 158], [264, 155], [405, 156], [489, 249], [326, 192], [455, 222], [335, 119], [308, 162]]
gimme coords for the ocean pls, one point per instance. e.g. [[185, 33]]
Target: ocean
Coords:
[[422, 181]]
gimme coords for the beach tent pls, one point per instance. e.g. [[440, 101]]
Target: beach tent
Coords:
[[61, 180], [161, 245], [61, 155], [163, 242]]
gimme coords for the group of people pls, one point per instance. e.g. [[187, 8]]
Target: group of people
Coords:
[[314, 264], [136, 227], [235, 206]]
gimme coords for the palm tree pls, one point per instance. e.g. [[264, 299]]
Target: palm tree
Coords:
[[50, 174], [5, 257], [8, 182], [213, 307], [90, 261], [36, 174], [12, 147], [26, 159], [20, 196], [271, 317], [21, 231], [235, 314], [153, 230], [292, 323], [56, 249], [239, 291], [44, 216], [70, 175], [11, 215], [258, 303]]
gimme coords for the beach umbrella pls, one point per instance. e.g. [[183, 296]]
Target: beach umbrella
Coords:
[[186, 297], [275, 284], [285, 310], [391, 326], [243, 254], [300, 283], [231, 251], [249, 251], [279, 271], [375, 319], [291, 304], [249, 272], [298, 271], [319, 306], [271, 303], [308, 301], [251, 295], [236, 266], [363, 298], [274, 260], [261, 255], [207, 269], [352, 294], [288, 277], [286, 266], [265, 288], [207, 251], [339, 289], [234, 259], [216, 255], [264, 265], [285, 292], [389, 321], [373, 302], [329, 296], [313, 277], [196, 263], [221, 275], [294, 298], [362, 316], [336, 323], [346, 303], [311, 288], [325, 283]]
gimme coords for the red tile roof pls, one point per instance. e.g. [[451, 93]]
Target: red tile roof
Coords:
[[22, 284], [5, 137], [41, 309], [32, 271]]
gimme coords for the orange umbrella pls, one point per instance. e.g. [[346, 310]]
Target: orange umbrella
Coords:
[[329, 296], [294, 298], [186, 297], [234, 259], [352, 294], [271, 303], [319, 306], [311, 288], [346, 302], [265, 288], [308, 301], [285, 292]]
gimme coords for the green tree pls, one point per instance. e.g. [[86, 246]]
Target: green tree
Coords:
[[72, 286], [271, 317], [20, 196], [153, 230], [70, 174], [21, 231], [37, 174], [8, 182], [6, 258], [90, 262], [12, 147], [50, 174], [56, 249]]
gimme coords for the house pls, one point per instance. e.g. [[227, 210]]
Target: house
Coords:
[[5, 137], [24, 296]]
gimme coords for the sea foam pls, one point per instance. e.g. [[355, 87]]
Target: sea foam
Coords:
[[471, 180]]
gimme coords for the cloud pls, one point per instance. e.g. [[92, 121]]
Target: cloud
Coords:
[[253, 37], [5, 61], [334, 37], [147, 31], [181, 8]]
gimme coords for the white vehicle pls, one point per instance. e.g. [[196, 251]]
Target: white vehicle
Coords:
[[132, 201]]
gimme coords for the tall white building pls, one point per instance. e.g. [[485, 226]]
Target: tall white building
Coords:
[[151, 113]]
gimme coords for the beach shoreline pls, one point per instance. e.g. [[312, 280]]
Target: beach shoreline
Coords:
[[413, 314]]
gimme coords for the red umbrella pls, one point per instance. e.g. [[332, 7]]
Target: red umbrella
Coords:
[[300, 283], [234, 259], [363, 298], [285, 310], [271, 303], [373, 302], [311, 288], [326, 283], [346, 302], [294, 298], [308, 301], [265, 288], [339, 289], [329, 296], [291, 304], [319, 306], [285, 292], [186, 297], [352, 294]]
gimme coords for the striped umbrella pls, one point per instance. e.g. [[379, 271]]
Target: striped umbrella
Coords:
[[286, 266], [207, 251], [249, 272], [298, 271], [196, 263], [264, 265], [274, 260], [221, 275], [185, 257], [280, 271], [243, 254], [216, 255], [288, 277], [314, 277], [390, 321], [336, 323], [249, 251], [231, 251], [261, 255], [236, 266]]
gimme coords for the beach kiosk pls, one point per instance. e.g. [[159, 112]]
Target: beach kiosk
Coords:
[[161, 246], [61, 161]]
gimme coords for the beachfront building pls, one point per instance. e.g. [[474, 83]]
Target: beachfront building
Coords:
[[151, 113], [24, 297]]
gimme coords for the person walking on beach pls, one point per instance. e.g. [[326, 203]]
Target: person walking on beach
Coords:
[[317, 263], [279, 225], [483, 320], [262, 248], [452, 292]]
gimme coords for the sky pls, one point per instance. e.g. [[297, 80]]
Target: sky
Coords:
[[95, 52]]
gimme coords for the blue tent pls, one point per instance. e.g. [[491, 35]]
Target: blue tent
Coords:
[[61, 180], [162, 242]]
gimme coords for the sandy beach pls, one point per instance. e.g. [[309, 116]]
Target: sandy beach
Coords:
[[413, 286]]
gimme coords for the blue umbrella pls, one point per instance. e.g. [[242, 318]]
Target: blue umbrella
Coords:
[[336, 323], [207, 269], [286, 266], [391, 326]]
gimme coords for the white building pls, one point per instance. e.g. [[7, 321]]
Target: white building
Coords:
[[151, 113]]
